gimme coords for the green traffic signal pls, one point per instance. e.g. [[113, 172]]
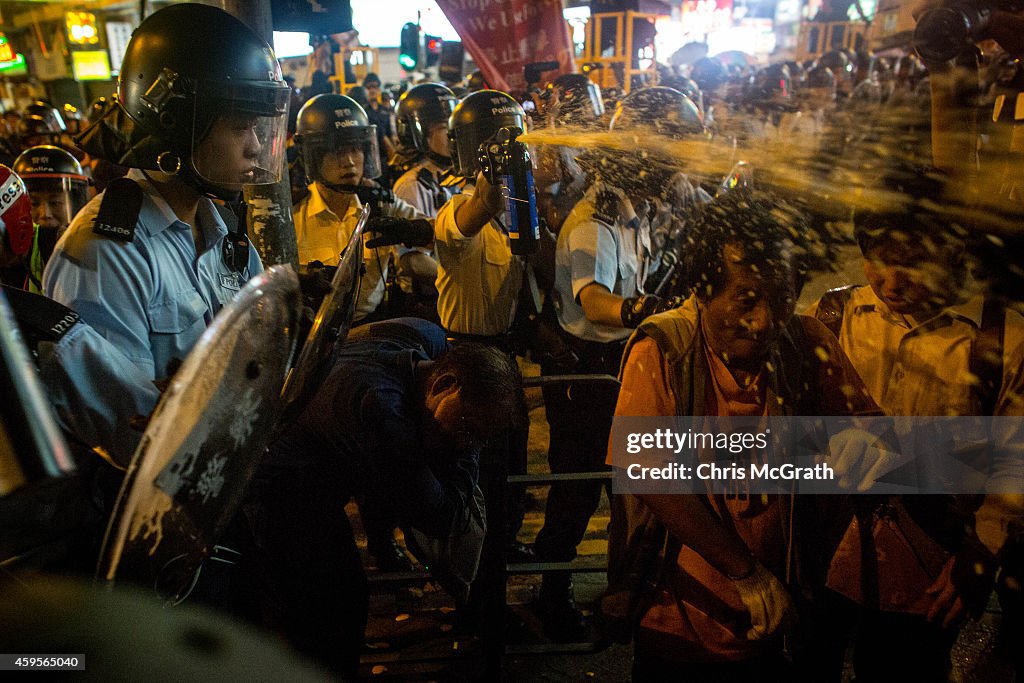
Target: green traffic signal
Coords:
[[409, 49]]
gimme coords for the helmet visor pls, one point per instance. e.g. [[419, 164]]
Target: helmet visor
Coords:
[[56, 199], [243, 143], [317, 146]]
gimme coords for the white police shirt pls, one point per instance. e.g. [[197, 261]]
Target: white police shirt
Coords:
[[604, 243]]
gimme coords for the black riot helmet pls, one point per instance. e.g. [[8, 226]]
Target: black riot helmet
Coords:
[[772, 88], [418, 109], [476, 120], [661, 110], [191, 70], [574, 99], [54, 177], [40, 124], [709, 74], [329, 123], [48, 113], [838, 62]]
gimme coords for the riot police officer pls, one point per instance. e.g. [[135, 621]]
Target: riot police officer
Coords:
[[339, 151], [150, 261], [422, 123], [602, 259], [58, 189], [479, 282]]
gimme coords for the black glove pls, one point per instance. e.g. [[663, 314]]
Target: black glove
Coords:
[[315, 282], [974, 575], [636, 309], [411, 233]]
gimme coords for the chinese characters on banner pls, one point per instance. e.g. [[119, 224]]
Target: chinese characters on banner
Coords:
[[503, 36]]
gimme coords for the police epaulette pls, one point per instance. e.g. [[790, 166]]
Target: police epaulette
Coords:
[[119, 210]]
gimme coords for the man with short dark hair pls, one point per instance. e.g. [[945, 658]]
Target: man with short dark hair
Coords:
[[401, 417], [721, 606], [380, 116]]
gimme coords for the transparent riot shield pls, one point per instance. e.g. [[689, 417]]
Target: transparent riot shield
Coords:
[[204, 440], [31, 445], [330, 326]]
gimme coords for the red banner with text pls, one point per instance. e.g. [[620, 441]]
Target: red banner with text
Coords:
[[503, 36]]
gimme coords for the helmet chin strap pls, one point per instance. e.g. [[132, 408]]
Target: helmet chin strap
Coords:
[[341, 187], [191, 178], [185, 172], [441, 160]]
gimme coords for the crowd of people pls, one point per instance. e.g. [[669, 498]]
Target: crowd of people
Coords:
[[669, 233]]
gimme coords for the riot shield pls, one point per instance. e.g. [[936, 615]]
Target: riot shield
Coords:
[[204, 440], [31, 445], [330, 326]]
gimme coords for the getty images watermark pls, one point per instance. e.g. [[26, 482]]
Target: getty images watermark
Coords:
[[818, 455]]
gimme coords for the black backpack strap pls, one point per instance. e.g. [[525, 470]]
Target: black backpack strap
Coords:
[[425, 178], [431, 183], [831, 307], [119, 210], [986, 361], [47, 240]]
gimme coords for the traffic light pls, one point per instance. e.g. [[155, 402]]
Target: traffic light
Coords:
[[432, 45], [409, 49]]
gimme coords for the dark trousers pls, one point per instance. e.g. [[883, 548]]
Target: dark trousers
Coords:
[[1010, 590], [580, 420], [888, 646], [305, 573]]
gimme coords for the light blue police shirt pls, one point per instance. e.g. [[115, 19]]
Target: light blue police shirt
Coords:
[[151, 298]]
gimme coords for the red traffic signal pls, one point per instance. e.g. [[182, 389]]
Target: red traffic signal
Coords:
[[433, 49]]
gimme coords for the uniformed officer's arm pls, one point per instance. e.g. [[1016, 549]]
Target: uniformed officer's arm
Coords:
[[601, 306], [421, 266], [92, 387], [101, 378], [594, 270], [108, 283], [484, 204]]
